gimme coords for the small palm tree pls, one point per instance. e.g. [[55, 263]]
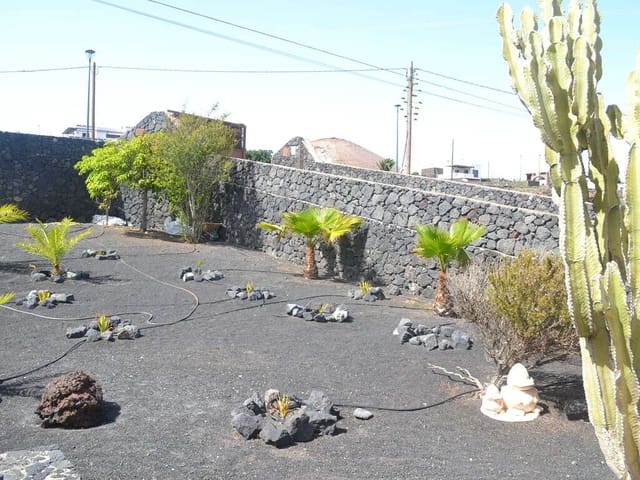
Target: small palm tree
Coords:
[[52, 242], [386, 164], [446, 247], [315, 225], [10, 213]]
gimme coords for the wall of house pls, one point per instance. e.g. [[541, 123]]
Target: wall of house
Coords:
[[38, 175], [381, 250]]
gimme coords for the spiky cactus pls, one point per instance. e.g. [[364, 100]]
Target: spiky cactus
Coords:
[[555, 68]]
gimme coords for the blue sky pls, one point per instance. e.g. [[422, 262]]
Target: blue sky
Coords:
[[457, 40]]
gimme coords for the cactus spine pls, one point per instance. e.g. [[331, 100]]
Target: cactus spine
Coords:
[[555, 69]]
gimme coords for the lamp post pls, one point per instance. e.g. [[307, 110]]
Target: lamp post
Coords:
[[397, 105], [90, 54]]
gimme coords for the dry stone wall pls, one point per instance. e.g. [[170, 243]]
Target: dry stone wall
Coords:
[[38, 175], [382, 249]]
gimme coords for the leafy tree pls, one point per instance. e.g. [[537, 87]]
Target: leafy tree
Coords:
[[144, 170], [386, 164], [104, 170], [52, 241], [263, 156], [315, 225], [195, 150], [446, 247]]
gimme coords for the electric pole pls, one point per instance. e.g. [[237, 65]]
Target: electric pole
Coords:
[[407, 163], [93, 104]]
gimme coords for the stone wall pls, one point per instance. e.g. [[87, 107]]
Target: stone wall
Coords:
[[382, 249], [37, 174]]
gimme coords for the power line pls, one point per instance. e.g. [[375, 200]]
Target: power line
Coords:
[[237, 40], [462, 92], [37, 70], [479, 85], [276, 37], [464, 102], [197, 70]]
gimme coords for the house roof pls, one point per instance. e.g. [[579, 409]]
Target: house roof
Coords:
[[344, 152]]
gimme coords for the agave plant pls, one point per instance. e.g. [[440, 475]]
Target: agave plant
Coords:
[[103, 323], [52, 241], [446, 247], [364, 287], [315, 225]]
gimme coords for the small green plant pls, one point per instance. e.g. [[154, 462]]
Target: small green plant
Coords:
[[323, 308], [52, 241], [249, 288], [364, 287], [283, 405], [103, 323], [199, 264], [43, 295], [6, 297]]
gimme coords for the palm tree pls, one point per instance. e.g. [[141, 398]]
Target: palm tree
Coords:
[[11, 213], [446, 247], [52, 241], [315, 225], [386, 164]]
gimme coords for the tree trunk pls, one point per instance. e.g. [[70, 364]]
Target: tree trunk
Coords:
[[310, 266], [442, 304], [144, 214]]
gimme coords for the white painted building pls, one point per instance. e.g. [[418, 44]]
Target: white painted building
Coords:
[[80, 131], [460, 172]]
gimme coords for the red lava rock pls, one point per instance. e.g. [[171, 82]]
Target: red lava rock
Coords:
[[73, 400]]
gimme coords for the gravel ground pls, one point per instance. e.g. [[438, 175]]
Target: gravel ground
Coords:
[[171, 391]]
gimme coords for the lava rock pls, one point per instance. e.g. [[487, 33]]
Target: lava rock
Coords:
[[408, 333], [445, 344], [369, 297], [92, 335], [107, 336], [429, 341], [297, 423], [242, 295], [362, 414], [247, 425], [422, 329], [275, 435], [255, 403], [576, 409], [73, 400], [183, 271], [38, 276], [377, 292], [188, 276], [62, 297], [57, 278], [393, 291], [356, 294], [340, 314], [404, 323], [446, 330], [318, 400], [255, 295], [322, 423], [127, 332], [461, 339], [415, 341], [76, 332]]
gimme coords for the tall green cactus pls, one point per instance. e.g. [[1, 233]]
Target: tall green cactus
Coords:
[[555, 68]]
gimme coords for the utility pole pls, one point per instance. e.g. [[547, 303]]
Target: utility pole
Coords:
[[90, 54], [397, 105], [452, 147], [407, 163], [93, 104]]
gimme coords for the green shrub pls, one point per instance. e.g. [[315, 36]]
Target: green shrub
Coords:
[[530, 292]]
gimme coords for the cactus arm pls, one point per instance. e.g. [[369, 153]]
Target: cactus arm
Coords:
[[633, 220], [627, 385]]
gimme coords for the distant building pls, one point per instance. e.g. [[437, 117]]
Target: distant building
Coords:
[[460, 172], [431, 172], [538, 179], [302, 153], [80, 131]]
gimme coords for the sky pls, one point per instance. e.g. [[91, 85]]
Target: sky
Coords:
[[445, 41]]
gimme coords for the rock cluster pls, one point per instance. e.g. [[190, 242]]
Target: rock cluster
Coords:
[[249, 293], [38, 464], [42, 275], [319, 313], [372, 294], [73, 400], [441, 337], [307, 418], [44, 298], [187, 274], [101, 254], [119, 328]]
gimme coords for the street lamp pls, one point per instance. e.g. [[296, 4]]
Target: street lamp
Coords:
[[90, 54], [397, 105]]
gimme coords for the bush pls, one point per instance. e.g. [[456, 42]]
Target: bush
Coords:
[[530, 291], [520, 308]]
